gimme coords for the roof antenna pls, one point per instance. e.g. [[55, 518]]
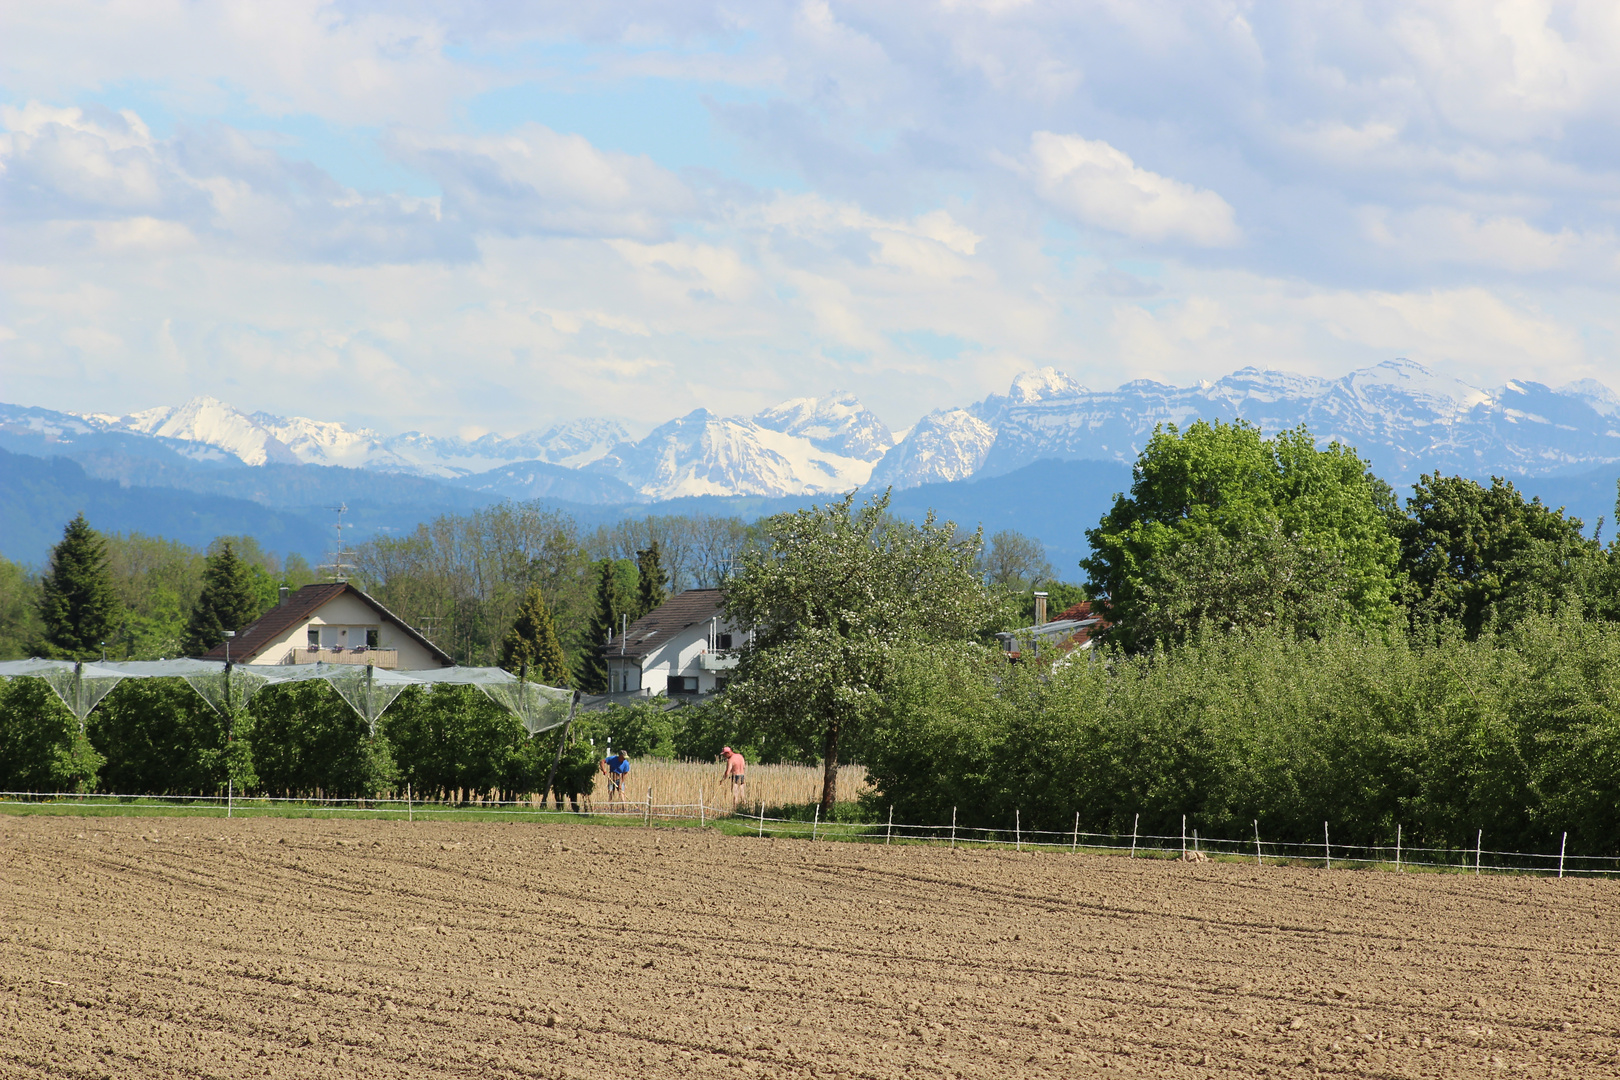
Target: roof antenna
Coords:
[[337, 569]]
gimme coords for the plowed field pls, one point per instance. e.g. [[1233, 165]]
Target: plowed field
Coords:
[[190, 948]]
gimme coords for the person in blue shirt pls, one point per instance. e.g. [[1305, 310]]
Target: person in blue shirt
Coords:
[[617, 768]]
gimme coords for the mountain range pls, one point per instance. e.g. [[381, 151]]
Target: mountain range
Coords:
[[1402, 417]]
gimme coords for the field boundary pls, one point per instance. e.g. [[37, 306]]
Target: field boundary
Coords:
[[753, 821]]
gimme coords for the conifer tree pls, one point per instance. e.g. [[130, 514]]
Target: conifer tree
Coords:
[[652, 589], [605, 623], [530, 649], [227, 602], [77, 604]]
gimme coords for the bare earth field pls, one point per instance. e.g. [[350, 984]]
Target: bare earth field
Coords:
[[134, 947]]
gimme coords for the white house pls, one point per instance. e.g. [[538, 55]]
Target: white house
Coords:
[[681, 648], [334, 623]]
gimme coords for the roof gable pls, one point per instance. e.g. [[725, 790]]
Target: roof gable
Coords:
[[300, 607], [680, 612]]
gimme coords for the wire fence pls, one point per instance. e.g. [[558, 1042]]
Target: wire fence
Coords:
[[754, 820]]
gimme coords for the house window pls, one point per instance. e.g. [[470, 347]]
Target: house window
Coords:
[[719, 683], [371, 638], [725, 641], [683, 684], [313, 637]]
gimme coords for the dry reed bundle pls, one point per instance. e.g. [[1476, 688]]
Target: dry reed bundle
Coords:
[[678, 783]]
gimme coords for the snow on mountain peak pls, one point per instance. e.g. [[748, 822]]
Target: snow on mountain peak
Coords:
[[210, 422], [942, 446], [1602, 400], [838, 424], [1042, 384]]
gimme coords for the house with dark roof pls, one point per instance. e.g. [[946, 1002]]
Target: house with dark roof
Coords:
[[680, 648], [333, 623]]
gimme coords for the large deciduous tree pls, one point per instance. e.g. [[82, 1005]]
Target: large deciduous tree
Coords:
[[530, 649], [832, 598], [78, 605], [228, 601], [1468, 550], [1225, 528]]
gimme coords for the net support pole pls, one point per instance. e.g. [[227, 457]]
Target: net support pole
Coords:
[[551, 777]]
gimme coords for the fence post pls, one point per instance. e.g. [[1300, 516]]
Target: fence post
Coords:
[[1397, 849], [230, 794], [1257, 860], [953, 828], [1018, 832], [646, 819], [410, 815], [1479, 842], [703, 819], [889, 836], [1134, 825], [1183, 836], [1561, 845], [1327, 852], [759, 804], [815, 823], [1074, 844]]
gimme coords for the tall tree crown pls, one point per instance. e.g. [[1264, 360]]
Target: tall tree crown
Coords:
[[531, 649], [228, 601], [78, 605]]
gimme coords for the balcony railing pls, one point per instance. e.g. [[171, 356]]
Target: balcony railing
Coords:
[[383, 658], [715, 661]]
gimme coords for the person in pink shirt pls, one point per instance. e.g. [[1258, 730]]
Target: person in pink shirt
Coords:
[[736, 768]]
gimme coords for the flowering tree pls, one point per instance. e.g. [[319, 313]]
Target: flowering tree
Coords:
[[831, 598]]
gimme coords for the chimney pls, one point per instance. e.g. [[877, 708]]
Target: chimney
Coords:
[[281, 595], [1040, 609]]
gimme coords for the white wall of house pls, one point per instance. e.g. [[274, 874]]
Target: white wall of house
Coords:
[[681, 657], [344, 620]]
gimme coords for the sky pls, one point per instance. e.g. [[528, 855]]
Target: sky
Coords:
[[483, 216]]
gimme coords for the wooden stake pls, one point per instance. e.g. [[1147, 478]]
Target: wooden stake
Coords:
[[1134, 824], [1257, 861], [1183, 836], [230, 794], [1018, 832], [702, 813], [646, 819], [953, 828], [759, 804], [1562, 844], [410, 815], [890, 835], [815, 823], [1397, 848], [1075, 843], [1479, 842], [1327, 852]]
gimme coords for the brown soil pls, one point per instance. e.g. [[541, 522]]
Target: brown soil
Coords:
[[163, 947]]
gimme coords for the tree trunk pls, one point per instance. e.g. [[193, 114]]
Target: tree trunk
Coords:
[[829, 774]]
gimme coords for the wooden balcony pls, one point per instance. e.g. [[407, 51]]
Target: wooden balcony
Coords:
[[383, 658]]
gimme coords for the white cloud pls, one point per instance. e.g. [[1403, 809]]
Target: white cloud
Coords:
[[1100, 186], [534, 179]]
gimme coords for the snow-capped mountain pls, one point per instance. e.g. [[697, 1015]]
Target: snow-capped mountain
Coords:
[[207, 422], [1403, 418], [705, 454], [837, 423], [941, 447]]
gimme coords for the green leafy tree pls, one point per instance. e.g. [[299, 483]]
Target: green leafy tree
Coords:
[[19, 610], [41, 748], [831, 598], [530, 649], [1468, 550], [78, 605], [1013, 561], [615, 597], [652, 583], [228, 601], [1202, 499]]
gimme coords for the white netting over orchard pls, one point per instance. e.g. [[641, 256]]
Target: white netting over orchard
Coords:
[[227, 687]]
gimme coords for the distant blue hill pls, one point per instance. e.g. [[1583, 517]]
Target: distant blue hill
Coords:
[[38, 496]]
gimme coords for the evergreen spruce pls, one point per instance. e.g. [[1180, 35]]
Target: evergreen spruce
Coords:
[[593, 675], [227, 602], [530, 649], [652, 589], [77, 604]]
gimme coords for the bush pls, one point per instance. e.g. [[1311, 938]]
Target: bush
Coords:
[[40, 745], [307, 739], [160, 738]]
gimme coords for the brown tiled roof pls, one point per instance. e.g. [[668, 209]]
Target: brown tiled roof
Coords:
[[664, 622], [260, 634]]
